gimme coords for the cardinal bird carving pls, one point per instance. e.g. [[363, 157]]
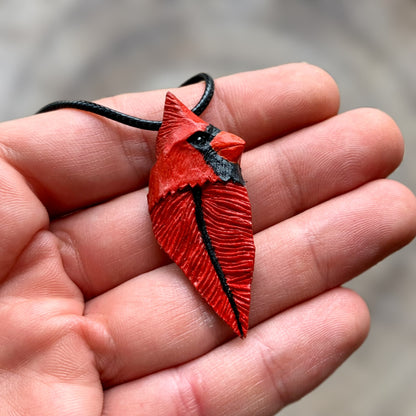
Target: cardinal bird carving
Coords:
[[200, 210]]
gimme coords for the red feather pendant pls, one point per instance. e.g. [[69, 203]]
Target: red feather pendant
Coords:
[[200, 210]]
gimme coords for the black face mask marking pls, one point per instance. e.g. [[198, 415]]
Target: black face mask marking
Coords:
[[223, 168]]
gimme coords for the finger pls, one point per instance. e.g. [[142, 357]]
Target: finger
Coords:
[[158, 320], [317, 163], [21, 213], [108, 244], [281, 361], [74, 159]]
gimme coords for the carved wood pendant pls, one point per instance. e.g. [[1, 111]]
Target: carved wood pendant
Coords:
[[200, 210]]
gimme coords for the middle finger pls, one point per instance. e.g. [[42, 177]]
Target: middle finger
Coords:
[[113, 242]]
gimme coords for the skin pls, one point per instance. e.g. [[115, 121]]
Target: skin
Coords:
[[95, 320]]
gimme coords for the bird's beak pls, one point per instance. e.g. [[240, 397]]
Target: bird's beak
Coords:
[[228, 146]]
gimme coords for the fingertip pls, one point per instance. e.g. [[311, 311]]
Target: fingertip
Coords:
[[381, 128], [400, 207], [353, 321], [323, 88]]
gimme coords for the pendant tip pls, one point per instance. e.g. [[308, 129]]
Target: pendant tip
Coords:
[[241, 332]]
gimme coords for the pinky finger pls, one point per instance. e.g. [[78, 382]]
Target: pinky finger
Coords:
[[280, 361]]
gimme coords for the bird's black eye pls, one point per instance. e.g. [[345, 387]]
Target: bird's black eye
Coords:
[[199, 139]]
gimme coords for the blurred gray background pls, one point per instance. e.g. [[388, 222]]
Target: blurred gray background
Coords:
[[90, 49]]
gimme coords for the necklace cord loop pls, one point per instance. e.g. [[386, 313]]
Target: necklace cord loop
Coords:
[[132, 121]]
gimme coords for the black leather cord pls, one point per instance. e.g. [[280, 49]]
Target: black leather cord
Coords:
[[140, 123]]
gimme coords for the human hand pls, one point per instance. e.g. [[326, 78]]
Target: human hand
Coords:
[[93, 318]]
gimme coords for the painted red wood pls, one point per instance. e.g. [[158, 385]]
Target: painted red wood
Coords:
[[225, 209]]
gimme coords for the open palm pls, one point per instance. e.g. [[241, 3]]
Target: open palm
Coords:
[[95, 320]]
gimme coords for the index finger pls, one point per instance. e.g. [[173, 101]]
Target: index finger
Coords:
[[74, 159]]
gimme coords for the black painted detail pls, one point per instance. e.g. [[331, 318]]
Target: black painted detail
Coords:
[[200, 140], [223, 168], [199, 214], [227, 171], [212, 130]]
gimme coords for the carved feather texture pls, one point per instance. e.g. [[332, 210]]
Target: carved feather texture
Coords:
[[227, 215], [200, 210]]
